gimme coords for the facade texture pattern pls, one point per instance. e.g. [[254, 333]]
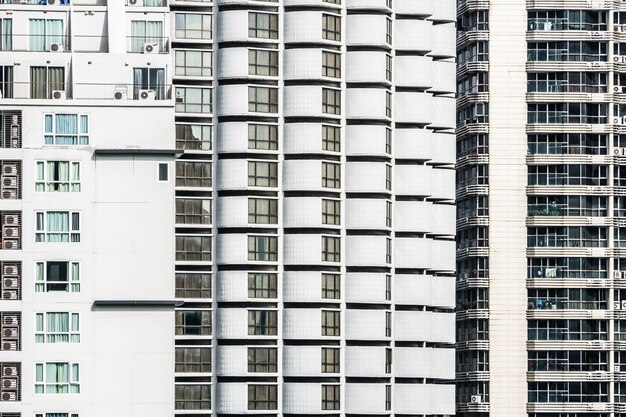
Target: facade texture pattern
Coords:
[[541, 142]]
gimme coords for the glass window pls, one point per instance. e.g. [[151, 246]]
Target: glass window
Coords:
[[330, 360], [194, 26], [331, 27], [331, 249], [42, 33], [262, 359], [262, 285], [193, 174], [192, 397], [53, 276], [61, 176], [331, 64], [262, 62], [57, 328], [144, 32], [262, 397], [262, 323], [193, 137], [262, 211], [194, 63], [193, 248], [193, 322], [194, 100], [331, 323], [331, 212], [331, 101], [331, 138], [66, 129], [57, 378], [262, 25], [331, 397], [331, 175], [193, 211], [331, 286], [193, 359], [263, 99], [57, 226], [263, 137], [262, 174], [193, 285], [262, 248]]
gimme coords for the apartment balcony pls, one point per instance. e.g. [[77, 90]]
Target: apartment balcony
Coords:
[[569, 35], [463, 6], [54, 43], [568, 407], [146, 3], [463, 38], [569, 4], [469, 67], [568, 66], [86, 91], [473, 407], [564, 375], [565, 93], [576, 155]]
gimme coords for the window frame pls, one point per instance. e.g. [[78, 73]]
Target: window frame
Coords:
[[73, 281], [80, 138], [42, 232], [43, 335]]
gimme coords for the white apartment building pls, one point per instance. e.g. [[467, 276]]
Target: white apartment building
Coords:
[[227, 208], [540, 186]]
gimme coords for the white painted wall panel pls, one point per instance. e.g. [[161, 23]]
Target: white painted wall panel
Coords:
[[302, 175], [366, 140], [302, 398], [299, 361], [365, 398], [366, 213], [302, 286], [424, 399], [413, 180], [366, 250], [413, 216], [412, 253], [232, 286], [302, 212], [413, 35], [366, 103], [233, 63], [365, 177], [413, 107], [365, 325], [302, 138], [365, 361], [302, 26], [413, 71], [231, 361], [368, 30], [414, 362], [302, 64], [366, 66], [231, 398], [424, 290], [424, 326]]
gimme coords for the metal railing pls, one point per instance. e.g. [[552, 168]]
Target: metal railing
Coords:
[[147, 44], [85, 91]]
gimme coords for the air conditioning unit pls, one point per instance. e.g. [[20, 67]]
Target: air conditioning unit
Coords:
[[151, 48], [10, 333], [10, 231], [9, 371], [135, 2], [618, 59], [59, 95], [9, 383], [9, 195], [52, 1], [9, 321], [10, 295], [9, 182], [9, 396], [624, 305], [10, 282], [617, 305], [9, 244], [147, 95], [617, 89], [476, 399], [617, 274], [9, 345], [11, 219], [120, 95], [10, 270], [9, 169], [56, 47]]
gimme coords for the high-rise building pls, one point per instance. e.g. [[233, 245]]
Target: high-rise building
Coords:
[[227, 208], [540, 186]]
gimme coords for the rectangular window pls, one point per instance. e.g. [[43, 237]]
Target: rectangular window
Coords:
[[331, 249], [46, 80], [150, 79], [330, 360], [388, 104], [44, 32], [388, 216], [52, 415], [388, 251], [388, 171], [331, 64], [263, 360], [193, 63], [262, 211], [330, 323], [6, 35], [388, 137], [331, 138], [262, 62], [194, 100], [388, 323], [54, 276], [262, 323], [66, 129], [262, 174], [389, 31], [262, 285], [6, 76], [262, 25], [193, 174], [193, 211], [263, 99], [192, 397], [331, 101], [143, 32], [194, 26], [388, 360], [262, 397], [57, 378], [164, 172], [193, 359], [57, 328], [331, 286], [263, 137], [331, 397], [57, 226], [63, 176], [331, 212], [193, 137], [388, 287], [193, 285], [389, 69], [331, 175], [262, 248], [193, 322], [387, 397], [331, 27], [193, 248]]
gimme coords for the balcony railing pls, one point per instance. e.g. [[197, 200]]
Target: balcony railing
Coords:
[[147, 44], [84, 91], [56, 2], [53, 43], [146, 3]]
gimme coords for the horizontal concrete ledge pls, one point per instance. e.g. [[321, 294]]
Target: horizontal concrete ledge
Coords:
[[138, 303], [115, 152]]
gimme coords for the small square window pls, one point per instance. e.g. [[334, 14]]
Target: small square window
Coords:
[[163, 172]]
